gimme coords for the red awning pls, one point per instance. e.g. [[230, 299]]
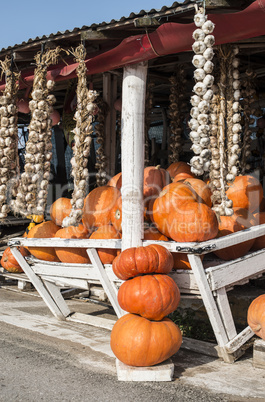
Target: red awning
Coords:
[[169, 38]]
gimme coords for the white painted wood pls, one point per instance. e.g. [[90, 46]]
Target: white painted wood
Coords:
[[112, 295], [161, 372], [235, 271], [91, 320], [71, 282], [132, 151], [57, 297], [208, 299], [57, 242], [23, 285], [226, 314], [38, 284], [259, 353], [239, 340]]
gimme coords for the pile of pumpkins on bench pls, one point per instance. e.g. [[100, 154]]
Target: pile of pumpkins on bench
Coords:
[[177, 206]]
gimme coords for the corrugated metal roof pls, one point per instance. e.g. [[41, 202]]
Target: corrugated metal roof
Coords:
[[105, 25]]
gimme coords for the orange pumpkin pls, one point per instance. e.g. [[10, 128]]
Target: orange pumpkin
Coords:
[[8, 261], [72, 255], [168, 201], [179, 216], [116, 181], [256, 316], [183, 176], [136, 261], [136, 341], [181, 261], [60, 209], [259, 242], [245, 192], [201, 189], [116, 215], [151, 296], [240, 220], [44, 230], [153, 234], [106, 255], [98, 205], [178, 167], [155, 178]]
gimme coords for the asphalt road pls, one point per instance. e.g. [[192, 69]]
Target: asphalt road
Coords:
[[34, 367]]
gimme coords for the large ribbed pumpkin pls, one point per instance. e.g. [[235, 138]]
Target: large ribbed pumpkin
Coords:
[[201, 189], [151, 296], [139, 342], [155, 178], [106, 255], [9, 262], [245, 192], [98, 205], [259, 242], [168, 201], [44, 230], [177, 168], [179, 216], [60, 209], [240, 220], [256, 316], [72, 255], [136, 261]]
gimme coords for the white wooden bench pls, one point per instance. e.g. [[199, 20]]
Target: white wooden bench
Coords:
[[210, 280]]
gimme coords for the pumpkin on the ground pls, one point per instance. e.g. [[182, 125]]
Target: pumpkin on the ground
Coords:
[[98, 205], [136, 341], [43, 230], [60, 209], [256, 316], [240, 220], [106, 255], [72, 255], [245, 192], [135, 261], [151, 296], [8, 261]]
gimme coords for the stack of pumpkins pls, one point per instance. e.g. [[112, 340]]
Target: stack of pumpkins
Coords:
[[144, 337]]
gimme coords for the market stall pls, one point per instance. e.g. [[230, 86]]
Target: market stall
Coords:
[[214, 136]]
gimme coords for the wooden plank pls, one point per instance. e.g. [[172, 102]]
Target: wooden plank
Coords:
[[259, 353], [71, 282], [132, 151], [225, 311], [84, 243], [91, 320], [38, 284], [106, 284], [185, 280], [57, 297], [239, 340], [194, 345], [233, 272], [208, 299]]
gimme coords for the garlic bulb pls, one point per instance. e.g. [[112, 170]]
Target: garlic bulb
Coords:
[[198, 35], [208, 27]]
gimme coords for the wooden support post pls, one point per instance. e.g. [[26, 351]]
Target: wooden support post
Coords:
[[109, 96], [132, 151], [39, 285]]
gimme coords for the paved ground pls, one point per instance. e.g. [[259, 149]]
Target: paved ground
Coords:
[[45, 359]]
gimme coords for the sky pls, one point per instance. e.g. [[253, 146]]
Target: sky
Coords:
[[22, 20]]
